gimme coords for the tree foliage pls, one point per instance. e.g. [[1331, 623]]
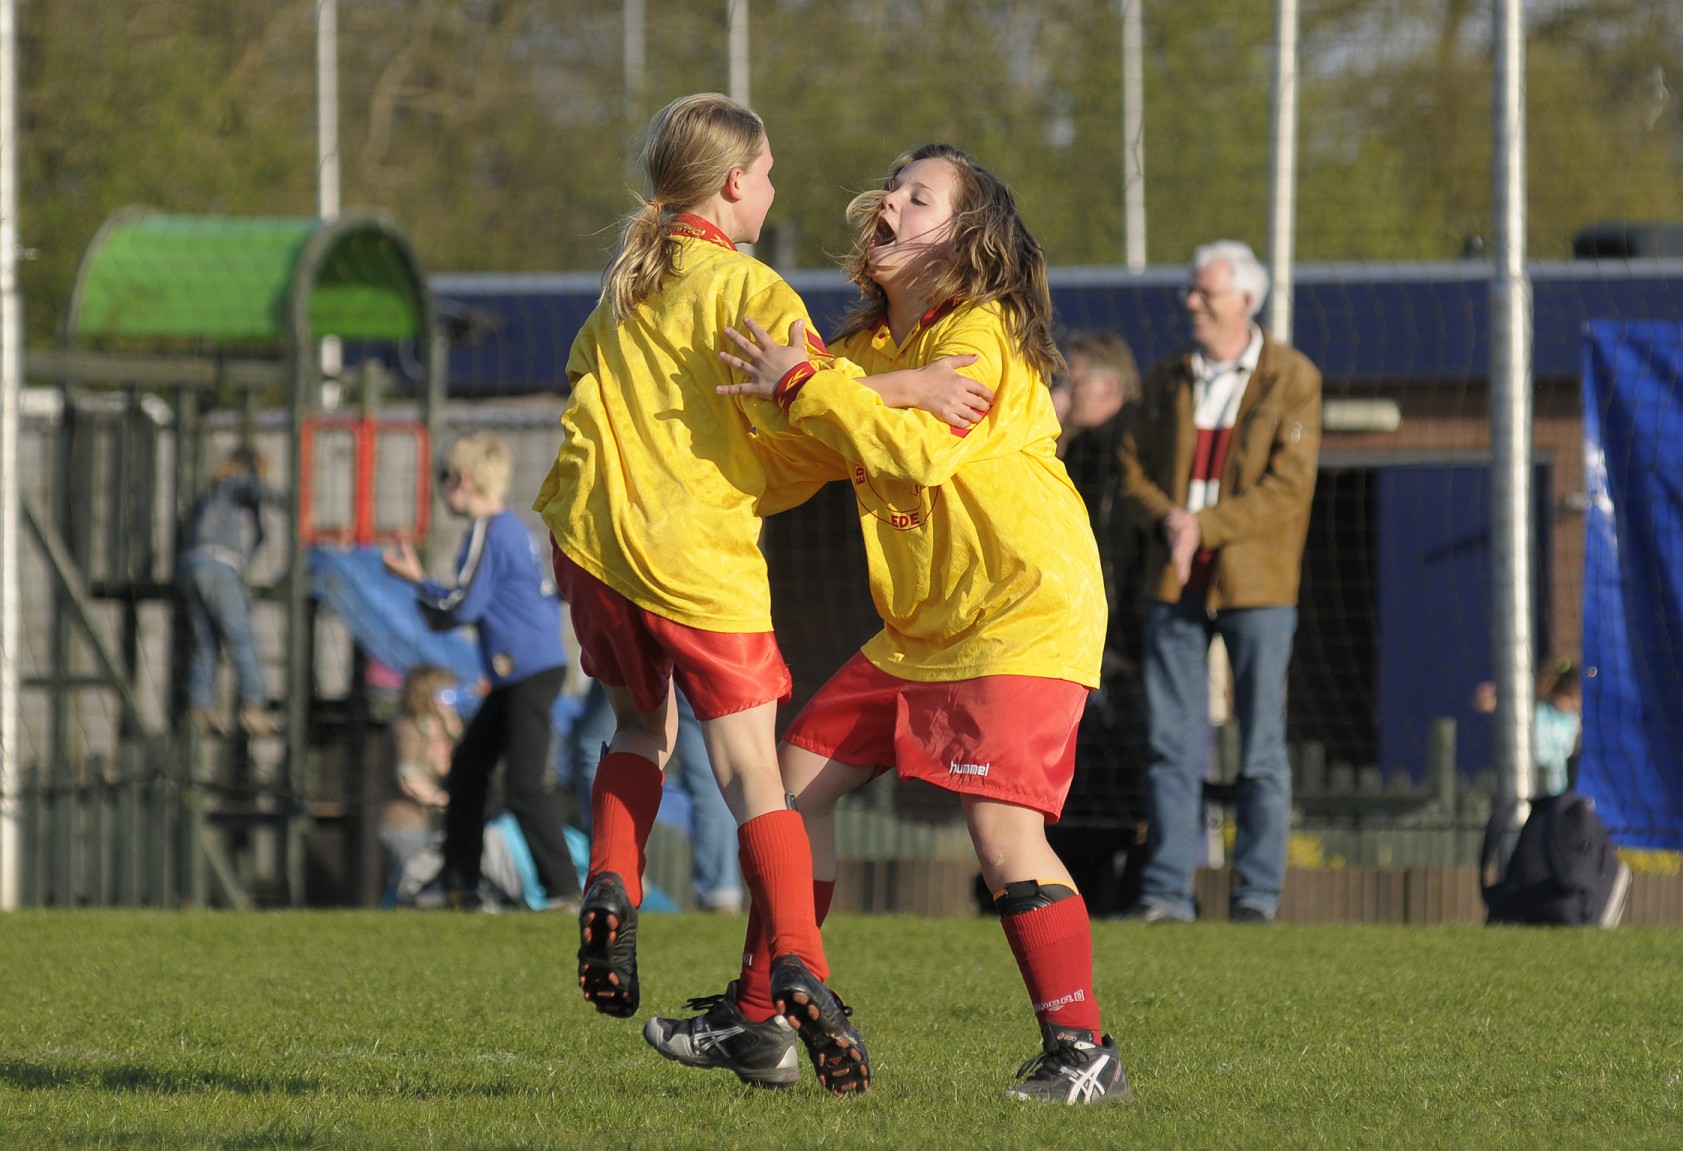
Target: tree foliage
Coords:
[[498, 132]]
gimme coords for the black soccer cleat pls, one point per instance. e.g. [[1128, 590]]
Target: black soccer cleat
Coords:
[[1072, 1067], [821, 1019], [608, 947], [760, 1054]]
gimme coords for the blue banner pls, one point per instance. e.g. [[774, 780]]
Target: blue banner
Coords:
[[1631, 761]]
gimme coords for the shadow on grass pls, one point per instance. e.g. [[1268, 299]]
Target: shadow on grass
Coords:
[[30, 1075], [155, 1139], [40, 1076]]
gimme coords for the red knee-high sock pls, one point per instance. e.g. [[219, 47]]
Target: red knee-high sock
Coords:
[[753, 986], [623, 803], [1054, 950], [777, 870]]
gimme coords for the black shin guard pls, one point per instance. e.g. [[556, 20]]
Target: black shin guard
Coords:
[[1029, 895]]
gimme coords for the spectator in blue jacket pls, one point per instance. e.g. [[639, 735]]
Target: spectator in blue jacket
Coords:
[[223, 529], [499, 590]]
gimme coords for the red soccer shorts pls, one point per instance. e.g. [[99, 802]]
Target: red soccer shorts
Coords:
[[1005, 737], [623, 645]]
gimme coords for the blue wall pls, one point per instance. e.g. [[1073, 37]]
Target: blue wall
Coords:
[[1361, 323]]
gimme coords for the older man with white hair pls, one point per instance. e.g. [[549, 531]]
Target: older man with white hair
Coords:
[[1220, 469]]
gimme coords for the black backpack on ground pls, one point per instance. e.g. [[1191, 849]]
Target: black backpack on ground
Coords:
[[1564, 868]]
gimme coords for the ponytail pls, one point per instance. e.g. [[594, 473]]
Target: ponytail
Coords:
[[691, 147], [644, 257]]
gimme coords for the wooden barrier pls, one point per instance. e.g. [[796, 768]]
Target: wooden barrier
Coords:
[[1414, 895]]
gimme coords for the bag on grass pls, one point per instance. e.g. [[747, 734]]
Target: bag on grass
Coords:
[[1564, 868]]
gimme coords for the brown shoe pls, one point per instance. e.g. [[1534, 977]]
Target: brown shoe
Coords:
[[258, 721]]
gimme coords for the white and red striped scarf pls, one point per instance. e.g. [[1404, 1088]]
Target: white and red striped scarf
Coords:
[[1217, 390]]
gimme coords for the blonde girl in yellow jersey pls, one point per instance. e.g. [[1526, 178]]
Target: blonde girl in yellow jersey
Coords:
[[983, 568], [654, 505]]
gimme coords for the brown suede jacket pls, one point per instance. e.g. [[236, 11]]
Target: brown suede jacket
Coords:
[[1259, 523]]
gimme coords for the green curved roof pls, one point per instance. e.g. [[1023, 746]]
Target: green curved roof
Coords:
[[153, 276]]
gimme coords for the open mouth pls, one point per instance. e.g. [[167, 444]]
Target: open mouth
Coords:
[[883, 235]]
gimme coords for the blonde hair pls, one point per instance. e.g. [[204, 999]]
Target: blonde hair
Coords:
[[690, 148], [990, 258], [421, 684], [482, 458]]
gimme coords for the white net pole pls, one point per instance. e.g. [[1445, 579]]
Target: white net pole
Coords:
[[327, 108], [635, 20], [736, 15], [737, 12], [327, 167], [11, 383], [1282, 187], [1133, 138], [1510, 420]]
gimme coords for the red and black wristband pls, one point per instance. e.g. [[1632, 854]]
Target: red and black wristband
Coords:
[[791, 383]]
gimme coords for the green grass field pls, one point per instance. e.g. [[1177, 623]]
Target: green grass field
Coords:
[[433, 1030]]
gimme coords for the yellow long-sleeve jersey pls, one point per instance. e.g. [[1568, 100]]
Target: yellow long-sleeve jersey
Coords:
[[656, 488], [982, 557]]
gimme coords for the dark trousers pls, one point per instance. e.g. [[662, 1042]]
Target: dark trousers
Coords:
[[512, 725]]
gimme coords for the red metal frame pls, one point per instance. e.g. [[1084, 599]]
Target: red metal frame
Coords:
[[368, 433]]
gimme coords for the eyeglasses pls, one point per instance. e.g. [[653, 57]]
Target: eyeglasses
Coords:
[[1189, 292]]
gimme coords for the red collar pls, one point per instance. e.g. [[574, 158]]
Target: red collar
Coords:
[[928, 318], [685, 224], [936, 313]]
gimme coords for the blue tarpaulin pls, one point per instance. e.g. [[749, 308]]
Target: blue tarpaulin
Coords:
[[1632, 756], [380, 610]]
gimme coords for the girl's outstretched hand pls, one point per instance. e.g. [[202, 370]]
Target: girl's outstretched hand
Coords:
[[761, 358]]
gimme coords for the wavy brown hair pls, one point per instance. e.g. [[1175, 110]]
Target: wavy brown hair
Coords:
[[689, 149], [990, 258]]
